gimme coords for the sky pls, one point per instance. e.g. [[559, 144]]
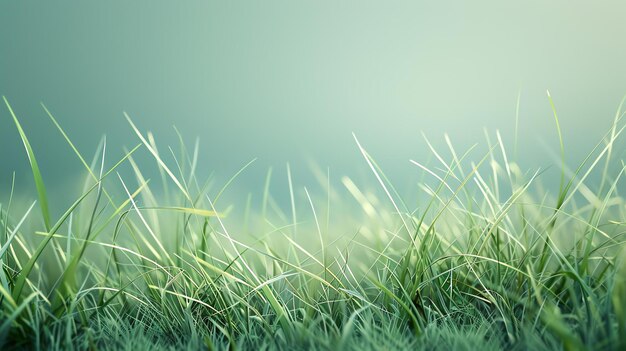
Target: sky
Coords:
[[290, 81]]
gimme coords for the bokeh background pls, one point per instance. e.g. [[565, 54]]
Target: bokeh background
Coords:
[[289, 81]]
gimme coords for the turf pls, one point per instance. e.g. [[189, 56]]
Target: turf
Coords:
[[486, 257]]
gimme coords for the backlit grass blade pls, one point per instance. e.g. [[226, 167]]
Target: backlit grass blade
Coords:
[[41, 188], [194, 211], [562, 148], [159, 160]]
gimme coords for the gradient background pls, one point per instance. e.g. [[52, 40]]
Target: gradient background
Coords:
[[288, 81]]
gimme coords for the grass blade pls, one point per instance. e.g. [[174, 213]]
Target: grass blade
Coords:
[[41, 188]]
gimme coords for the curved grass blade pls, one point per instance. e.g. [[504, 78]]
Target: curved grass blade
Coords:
[[41, 188], [23, 275]]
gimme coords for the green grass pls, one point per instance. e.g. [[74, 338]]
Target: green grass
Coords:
[[484, 259]]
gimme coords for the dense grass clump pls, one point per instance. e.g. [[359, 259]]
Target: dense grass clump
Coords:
[[486, 258]]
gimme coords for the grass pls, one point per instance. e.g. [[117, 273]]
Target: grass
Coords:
[[485, 259]]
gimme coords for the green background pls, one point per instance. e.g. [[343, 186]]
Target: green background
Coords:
[[288, 81]]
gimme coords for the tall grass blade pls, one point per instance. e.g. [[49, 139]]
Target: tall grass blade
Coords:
[[39, 184]]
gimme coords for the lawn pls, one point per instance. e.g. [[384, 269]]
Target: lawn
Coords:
[[488, 257]]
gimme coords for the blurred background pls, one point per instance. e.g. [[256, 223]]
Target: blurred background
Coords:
[[289, 81]]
